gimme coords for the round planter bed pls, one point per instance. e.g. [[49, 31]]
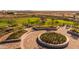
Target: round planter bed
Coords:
[[51, 42]]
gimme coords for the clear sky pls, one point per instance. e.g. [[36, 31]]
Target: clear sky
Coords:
[[39, 5]]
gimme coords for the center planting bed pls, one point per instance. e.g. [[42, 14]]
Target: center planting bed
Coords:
[[52, 40]]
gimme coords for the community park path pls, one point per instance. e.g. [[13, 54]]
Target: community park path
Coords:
[[11, 45], [28, 40], [73, 40]]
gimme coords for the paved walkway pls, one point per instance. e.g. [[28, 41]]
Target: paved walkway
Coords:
[[73, 40], [29, 39], [12, 45], [3, 38]]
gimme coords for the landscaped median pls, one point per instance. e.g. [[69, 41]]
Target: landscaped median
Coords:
[[52, 40], [14, 37], [45, 28], [74, 31]]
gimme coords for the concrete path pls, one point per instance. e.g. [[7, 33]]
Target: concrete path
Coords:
[[29, 39], [3, 38], [12, 45], [73, 40], [29, 42]]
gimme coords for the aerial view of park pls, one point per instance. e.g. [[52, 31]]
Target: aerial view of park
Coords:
[[39, 29]]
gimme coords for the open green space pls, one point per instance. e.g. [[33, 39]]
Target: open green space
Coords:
[[34, 21]]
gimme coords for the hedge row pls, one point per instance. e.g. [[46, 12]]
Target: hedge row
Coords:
[[10, 41], [44, 28], [73, 33]]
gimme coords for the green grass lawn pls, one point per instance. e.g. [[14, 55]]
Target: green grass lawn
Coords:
[[34, 21], [21, 23], [2, 24], [65, 22], [27, 20], [59, 22]]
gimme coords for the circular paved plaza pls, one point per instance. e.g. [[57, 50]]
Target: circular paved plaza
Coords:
[[28, 40]]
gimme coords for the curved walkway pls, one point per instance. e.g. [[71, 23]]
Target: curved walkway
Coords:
[[12, 45], [3, 38], [28, 40], [73, 40]]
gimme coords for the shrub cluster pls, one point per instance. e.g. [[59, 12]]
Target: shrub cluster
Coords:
[[75, 30], [53, 38]]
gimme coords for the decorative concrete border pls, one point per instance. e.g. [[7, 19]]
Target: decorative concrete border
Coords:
[[44, 28], [10, 41], [54, 46]]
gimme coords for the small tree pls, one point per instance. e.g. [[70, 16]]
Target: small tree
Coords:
[[43, 19]]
